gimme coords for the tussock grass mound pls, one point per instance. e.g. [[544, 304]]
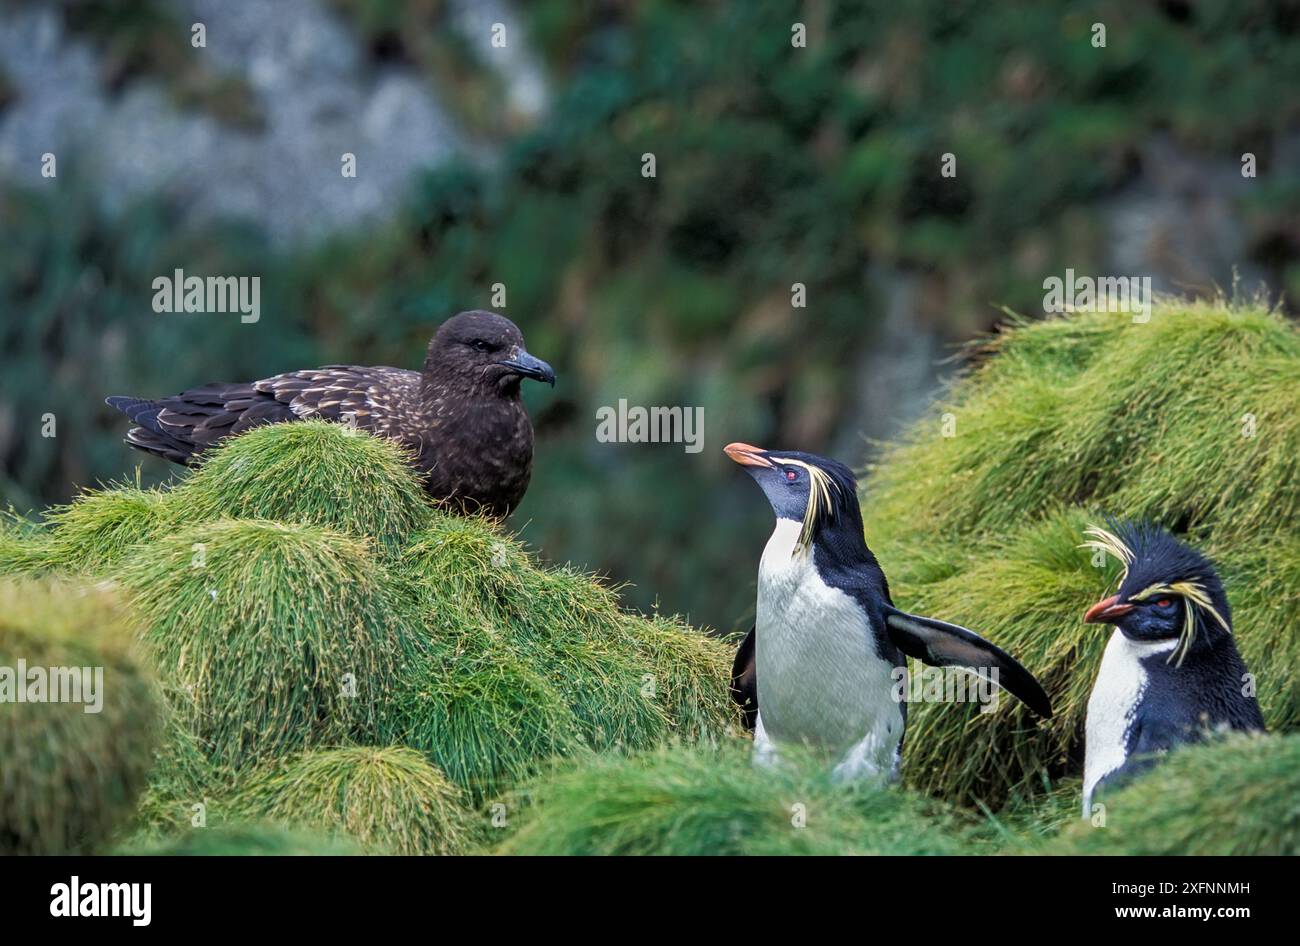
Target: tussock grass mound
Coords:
[[1060, 422], [312, 472], [101, 526], [362, 616], [244, 841], [284, 636], [482, 714], [182, 775], [24, 546], [525, 663], [389, 800], [1026, 821], [1239, 795], [68, 777], [691, 801], [88, 535]]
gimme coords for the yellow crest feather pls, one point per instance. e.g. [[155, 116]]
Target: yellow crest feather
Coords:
[[1103, 540], [820, 486]]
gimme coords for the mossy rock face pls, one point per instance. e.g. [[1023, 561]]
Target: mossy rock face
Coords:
[[1059, 423], [685, 801], [312, 472], [244, 841], [283, 636], [69, 777], [525, 663], [387, 801], [1233, 796]]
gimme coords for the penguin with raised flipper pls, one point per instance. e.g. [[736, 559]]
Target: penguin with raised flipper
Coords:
[[821, 666]]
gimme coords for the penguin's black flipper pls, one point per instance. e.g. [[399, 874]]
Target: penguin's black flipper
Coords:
[[947, 645], [744, 687]]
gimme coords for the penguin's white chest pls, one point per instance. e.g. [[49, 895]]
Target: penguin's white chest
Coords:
[[1121, 683], [820, 682]]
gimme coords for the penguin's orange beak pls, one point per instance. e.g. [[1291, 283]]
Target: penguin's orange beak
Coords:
[[1105, 612], [746, 455]]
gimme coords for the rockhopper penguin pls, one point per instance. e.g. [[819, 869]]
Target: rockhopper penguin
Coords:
[[461, 417], [819, 668], [1171, 671]]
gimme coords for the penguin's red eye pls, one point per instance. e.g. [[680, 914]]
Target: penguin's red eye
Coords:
[[791, 475], [1163, 603]]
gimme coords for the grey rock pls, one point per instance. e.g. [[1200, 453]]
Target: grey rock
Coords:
[[311, 83]]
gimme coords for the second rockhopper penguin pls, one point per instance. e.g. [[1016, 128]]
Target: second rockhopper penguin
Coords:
[[1171, 672], [819, 668]]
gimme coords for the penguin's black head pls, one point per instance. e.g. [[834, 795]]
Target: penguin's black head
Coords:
[[816, 491], [1168, 590]]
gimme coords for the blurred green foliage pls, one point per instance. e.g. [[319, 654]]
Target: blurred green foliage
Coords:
[[77, 756], [775, 165]]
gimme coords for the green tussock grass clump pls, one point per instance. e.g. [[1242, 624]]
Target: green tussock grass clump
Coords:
[[480, 712], [69, 777], [525, 664], [312, 472], [284, 636], [1059, 423], [182, 777], [24, 546], [243, 840], [693, 801], [1027, 820], [1232, 796], [89, 535], [99, 527], [363, 616], [387, 800]]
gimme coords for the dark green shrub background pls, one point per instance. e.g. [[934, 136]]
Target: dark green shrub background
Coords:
[[774, 166]]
